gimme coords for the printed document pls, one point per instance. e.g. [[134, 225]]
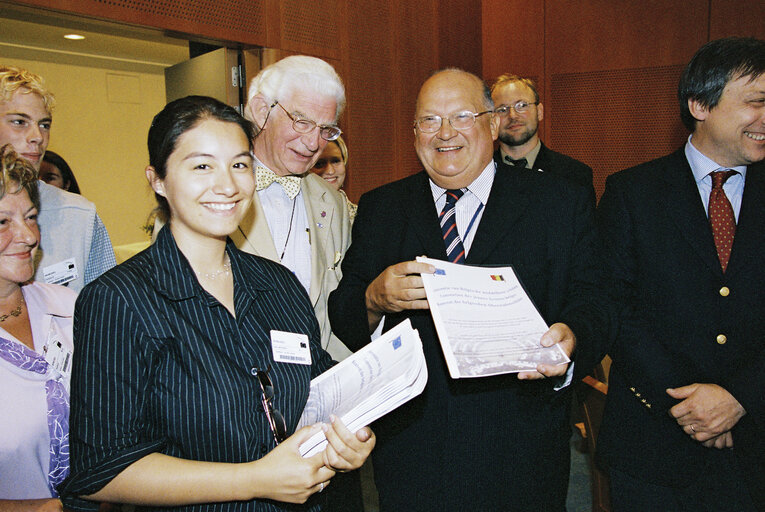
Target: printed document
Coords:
[[486, 322], [367, 385]]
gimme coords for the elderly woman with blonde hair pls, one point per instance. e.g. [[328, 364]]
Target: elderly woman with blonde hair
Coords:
[[35, 353]]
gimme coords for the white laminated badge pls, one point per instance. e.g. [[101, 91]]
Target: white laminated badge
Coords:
[[61, 272], [57, 355], [290, 347]]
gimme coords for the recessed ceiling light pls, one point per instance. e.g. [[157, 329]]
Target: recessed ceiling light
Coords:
[[74, 37]]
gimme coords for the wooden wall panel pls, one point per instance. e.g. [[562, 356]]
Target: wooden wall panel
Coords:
[[609, 69], [615, 119], [382, 50], [369, 90], [219, 20], [416, 58], [513, 42], [736, 18], [311, 27], [389, 56], [595, 35], [459, 34], [513, 38]]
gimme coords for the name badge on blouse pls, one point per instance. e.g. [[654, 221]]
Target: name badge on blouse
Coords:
[[61, 272], [290, 347], [57, 355]]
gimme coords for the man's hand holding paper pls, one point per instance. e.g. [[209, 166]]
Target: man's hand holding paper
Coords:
[[488, 325], [562, 335], [397, 288]]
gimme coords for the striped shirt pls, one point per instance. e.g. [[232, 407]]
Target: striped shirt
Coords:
[[162, 366], [469, 208]]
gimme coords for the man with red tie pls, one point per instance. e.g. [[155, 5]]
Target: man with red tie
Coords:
[[683, 238]]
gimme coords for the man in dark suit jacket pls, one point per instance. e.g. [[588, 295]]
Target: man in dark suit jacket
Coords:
[[520, 113], [684, 425], [495, 443]]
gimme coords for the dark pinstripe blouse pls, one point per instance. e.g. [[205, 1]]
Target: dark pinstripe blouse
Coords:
[[162, 366]]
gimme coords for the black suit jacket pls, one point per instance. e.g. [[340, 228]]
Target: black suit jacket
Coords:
[[561, 165], [491, 443], [665, 276]]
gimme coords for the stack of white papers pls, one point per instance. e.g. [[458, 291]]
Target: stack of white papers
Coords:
[[367, 385], [486, 323]]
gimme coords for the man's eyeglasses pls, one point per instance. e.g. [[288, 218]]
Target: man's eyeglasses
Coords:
[[459, 120], [328, 132], [519, 106], [275, 418]]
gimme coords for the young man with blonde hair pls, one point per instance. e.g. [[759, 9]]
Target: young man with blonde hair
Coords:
[[74, 244]]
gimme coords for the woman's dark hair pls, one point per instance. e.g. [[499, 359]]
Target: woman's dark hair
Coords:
[[70, 182], [714, 65], [177, 118], [16, 174]]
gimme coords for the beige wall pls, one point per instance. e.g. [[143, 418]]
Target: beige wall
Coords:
[[100, 123]]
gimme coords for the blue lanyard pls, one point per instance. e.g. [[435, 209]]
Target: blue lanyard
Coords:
[[472, 221]]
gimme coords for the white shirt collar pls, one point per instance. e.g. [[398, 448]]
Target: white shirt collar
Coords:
[[480, 187]]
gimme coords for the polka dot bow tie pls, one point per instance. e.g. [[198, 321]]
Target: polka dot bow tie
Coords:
[[264, 177]]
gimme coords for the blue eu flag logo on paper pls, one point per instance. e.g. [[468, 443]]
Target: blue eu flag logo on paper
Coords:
[[440, 272], [396, 343]]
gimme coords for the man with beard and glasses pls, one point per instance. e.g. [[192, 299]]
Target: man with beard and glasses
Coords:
[[520, 112]]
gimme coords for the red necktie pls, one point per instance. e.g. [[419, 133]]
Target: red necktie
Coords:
[[721, 217]]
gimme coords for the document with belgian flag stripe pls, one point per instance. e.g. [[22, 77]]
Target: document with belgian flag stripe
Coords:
[[486, 322]]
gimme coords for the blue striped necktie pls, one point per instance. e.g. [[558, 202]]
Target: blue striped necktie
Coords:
[[455, 251]]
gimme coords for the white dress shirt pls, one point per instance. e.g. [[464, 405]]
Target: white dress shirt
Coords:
[[469, 208], [289, 230]]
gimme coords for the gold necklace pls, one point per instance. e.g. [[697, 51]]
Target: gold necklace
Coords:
[[15, 312]]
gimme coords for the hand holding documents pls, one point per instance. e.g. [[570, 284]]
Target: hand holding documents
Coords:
[[367, 385], [486, 322]]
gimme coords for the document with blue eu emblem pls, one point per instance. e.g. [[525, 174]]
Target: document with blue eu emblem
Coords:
[[367, 385], [486, 322]]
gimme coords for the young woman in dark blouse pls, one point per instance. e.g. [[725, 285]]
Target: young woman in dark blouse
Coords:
[[180, 349]]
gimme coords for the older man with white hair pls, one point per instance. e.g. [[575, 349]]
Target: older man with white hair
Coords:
[[297, 219]]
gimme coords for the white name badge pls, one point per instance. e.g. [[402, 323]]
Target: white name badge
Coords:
[[61, 272], [290, 347], [57, 355]]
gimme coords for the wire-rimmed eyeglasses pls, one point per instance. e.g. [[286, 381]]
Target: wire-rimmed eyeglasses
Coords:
[[275, 418], [328, 132], [521, 107], [459, 120]]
